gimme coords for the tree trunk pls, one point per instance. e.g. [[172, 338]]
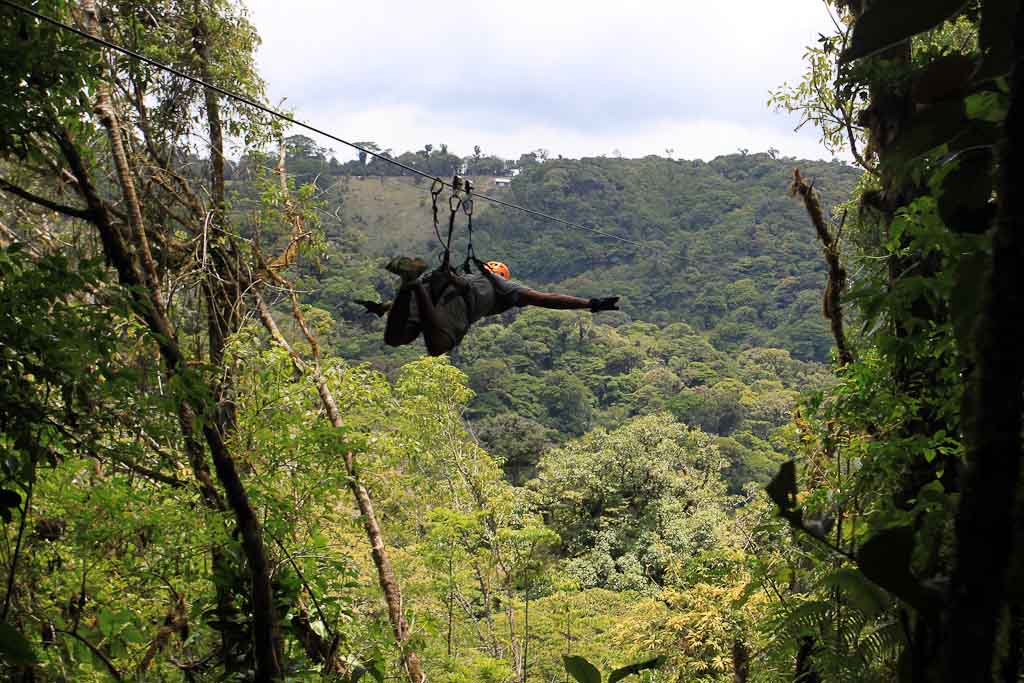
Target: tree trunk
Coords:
[[740, 661], [385, 574], [1011, 665], [805, 672], [985, 521], [222, 287], [151, 307]]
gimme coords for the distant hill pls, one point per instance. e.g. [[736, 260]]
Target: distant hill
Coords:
[[726, 250], [722, 247], [721, 319]]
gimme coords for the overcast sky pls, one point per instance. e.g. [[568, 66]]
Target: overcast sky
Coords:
[[579, 78]]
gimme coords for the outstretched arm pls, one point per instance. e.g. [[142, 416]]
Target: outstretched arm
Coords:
[[565, 302]]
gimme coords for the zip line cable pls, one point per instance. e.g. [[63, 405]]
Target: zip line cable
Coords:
[[285, 117]]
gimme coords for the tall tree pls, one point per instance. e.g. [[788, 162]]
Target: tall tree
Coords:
[[930, 89]]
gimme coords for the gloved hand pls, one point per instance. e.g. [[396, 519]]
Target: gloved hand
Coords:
[[373, 307], [608, 303]]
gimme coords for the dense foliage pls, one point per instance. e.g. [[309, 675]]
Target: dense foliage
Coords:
[[540, 377], [211, 468]]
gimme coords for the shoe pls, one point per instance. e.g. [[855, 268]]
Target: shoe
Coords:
[[409, 269]]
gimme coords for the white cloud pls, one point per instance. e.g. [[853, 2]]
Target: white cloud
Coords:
[[579, 78], [407, 128]]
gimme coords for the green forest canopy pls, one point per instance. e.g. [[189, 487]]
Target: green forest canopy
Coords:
[[745, 308], [212, 469]]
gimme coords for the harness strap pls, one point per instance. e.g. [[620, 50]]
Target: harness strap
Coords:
[[467, 208], [454, 204], [436, 188]]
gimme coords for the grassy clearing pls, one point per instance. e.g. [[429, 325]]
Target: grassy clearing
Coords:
[[394, 213]]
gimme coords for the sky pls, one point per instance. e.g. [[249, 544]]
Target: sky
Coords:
[[578, 78]]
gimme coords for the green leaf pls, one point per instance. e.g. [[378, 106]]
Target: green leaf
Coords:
[[976, 134], [861, 593], [133, 635], [636, 668], [14, 647], [897, 228], [886, 23], [107, 622], [580, 669], [988, 106], [376, 669], [966, 297]]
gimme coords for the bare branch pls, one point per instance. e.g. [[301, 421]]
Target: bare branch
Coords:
[[385, 574], [6, 186], [831, 305], [96, 651]]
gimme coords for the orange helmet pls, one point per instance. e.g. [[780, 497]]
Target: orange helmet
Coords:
[[498, 268]]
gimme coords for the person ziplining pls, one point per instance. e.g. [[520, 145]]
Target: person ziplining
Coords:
[[443, 304]]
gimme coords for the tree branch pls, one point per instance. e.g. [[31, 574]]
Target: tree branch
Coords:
[[17, 546], [831, 305], [385, 574], [148, 299], [84, 214], [96, 651]]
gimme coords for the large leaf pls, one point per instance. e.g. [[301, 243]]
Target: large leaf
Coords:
[[965, 304], [889, 22], [9, 498], [636, 668], [782, 491], [14, 647], [885, 559], [942, 79], [376, 668], [580, 669], [976, 134], [990, 105], [861, 593]]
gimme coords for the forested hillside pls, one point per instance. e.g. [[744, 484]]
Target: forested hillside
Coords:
[[212, 469], [720, 248]]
